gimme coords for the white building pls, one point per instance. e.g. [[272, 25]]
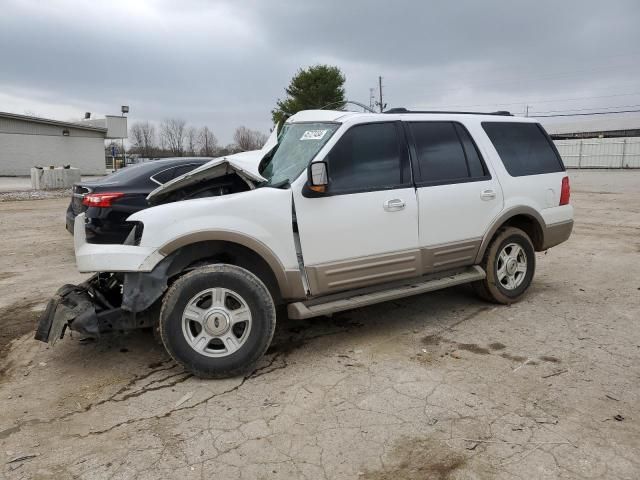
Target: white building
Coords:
[[27, 141]]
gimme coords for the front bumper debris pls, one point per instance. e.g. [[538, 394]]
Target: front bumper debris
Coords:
[[81, 308]]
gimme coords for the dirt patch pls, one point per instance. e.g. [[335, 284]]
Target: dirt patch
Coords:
[[432, 340], [473, 348], [547, 358], [15, 321], [513, 358], [420, 459], [5, 275]]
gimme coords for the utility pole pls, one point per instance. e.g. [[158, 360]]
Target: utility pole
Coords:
[[379, 103], [526, 110]]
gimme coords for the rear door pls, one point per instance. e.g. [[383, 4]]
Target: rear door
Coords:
[[364, 229], [458, 197]]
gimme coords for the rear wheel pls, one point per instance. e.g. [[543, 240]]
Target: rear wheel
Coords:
[[510, 264], [217, 321]]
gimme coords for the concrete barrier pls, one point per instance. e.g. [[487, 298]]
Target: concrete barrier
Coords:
[[54, 178]]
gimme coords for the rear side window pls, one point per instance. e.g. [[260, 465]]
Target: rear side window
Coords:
[[524, 148], [368, 157], [445, 153], [182, 169], [165, 175]]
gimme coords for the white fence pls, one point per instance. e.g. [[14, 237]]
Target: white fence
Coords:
[[600, 152]]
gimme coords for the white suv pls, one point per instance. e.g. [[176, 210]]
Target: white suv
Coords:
[[339, 211]]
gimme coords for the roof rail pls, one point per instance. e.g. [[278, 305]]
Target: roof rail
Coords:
[[503, 113]]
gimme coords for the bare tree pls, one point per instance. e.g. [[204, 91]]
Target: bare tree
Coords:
[[142, 135], [207, 142], [247, 139], [172, 132], [191, 138]]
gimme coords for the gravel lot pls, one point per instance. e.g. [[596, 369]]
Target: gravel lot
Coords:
[[437, 386]]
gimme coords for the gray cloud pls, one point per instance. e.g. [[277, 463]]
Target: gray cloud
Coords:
[[226, 63]]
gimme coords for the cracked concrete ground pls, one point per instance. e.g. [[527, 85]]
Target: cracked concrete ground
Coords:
[[437, 386]]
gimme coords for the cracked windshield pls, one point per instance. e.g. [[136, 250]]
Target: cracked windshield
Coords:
[[297, 145]]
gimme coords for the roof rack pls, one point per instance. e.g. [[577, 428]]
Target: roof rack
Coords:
[[502, 113]]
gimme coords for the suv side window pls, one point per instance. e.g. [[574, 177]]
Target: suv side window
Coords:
[[525, 148], [445, 153], [369, 157]]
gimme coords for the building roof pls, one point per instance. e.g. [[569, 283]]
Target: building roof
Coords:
[[49, 121], [591, 124]]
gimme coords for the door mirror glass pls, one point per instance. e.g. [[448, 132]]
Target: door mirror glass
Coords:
[[318, 177]]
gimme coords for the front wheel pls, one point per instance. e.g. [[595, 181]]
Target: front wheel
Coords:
[[217, 321], [510, 263]]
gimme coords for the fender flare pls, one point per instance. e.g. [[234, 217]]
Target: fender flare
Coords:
[[503, 218]]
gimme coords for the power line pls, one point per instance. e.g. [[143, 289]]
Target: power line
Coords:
[[584, 114], [529, 102], [568, 110]]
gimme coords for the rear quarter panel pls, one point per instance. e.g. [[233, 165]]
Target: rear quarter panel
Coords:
[[540, 192]]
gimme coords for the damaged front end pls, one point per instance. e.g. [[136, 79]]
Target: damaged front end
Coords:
[[90, 308], [125, 300], [106, 302]]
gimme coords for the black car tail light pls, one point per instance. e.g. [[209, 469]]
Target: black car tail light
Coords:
[[104, 199]]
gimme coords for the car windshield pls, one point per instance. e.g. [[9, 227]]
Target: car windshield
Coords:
[[298, 143]]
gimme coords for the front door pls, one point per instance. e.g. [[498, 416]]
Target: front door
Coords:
[[457, 196], [364, 229]]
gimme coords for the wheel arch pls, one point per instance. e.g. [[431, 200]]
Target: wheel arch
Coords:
[[524, 218], [239, 250]]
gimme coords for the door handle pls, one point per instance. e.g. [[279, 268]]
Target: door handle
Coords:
[[488, 194], [394, 205]]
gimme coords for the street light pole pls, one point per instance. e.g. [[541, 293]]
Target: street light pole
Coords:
[[124, 109]]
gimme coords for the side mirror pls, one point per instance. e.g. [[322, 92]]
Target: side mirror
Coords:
[[318, 177]]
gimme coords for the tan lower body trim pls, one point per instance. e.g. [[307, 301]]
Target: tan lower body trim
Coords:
[[557, 233], [362, 272], [449, 255]]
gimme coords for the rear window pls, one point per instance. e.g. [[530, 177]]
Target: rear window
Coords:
[[524, 148]]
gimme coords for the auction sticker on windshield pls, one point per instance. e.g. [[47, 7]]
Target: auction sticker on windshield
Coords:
[[313, 135]]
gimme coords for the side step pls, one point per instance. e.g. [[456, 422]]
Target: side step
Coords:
[[361, 298]]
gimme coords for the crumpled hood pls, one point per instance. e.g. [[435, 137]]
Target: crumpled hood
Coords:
[[245, 164]]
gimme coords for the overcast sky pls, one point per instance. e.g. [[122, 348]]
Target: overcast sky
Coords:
[[225, 63]]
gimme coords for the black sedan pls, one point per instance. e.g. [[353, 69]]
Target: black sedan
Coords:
[[109, 201]]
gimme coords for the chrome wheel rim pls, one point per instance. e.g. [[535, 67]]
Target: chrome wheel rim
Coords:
[[216, 322], [511, 267]]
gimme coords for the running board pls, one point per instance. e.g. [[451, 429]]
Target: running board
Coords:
[[336, 303]]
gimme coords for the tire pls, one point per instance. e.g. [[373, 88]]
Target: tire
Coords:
[[197, 321], [506, 282]]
